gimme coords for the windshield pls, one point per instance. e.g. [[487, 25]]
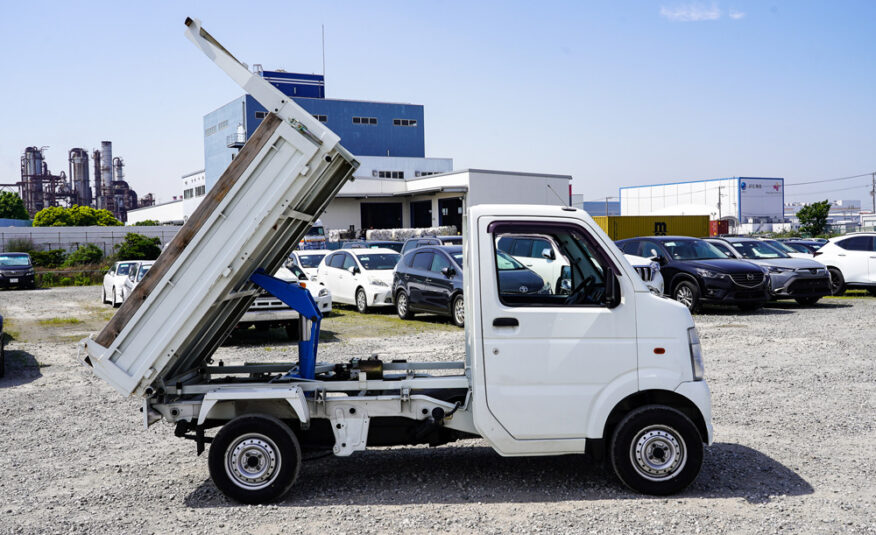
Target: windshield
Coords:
[[142, 272], [123, 269], [779, 246], [692, 250], [757, 250], [310, 260], [315, 231], [505, 263], [20, 259], [379, 261], [297, 272], [457, 257]]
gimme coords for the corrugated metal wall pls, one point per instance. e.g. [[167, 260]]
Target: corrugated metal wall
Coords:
[[623, 227]]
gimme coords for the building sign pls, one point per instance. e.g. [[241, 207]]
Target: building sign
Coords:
[[762, 198]]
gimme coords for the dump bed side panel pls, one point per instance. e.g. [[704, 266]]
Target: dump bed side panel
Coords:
[[200, 286]]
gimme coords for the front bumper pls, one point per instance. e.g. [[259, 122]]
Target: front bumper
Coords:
[[796, 284], [379, 296], [277, 316], [17, 281], [324, 304], [698, 393], [725, 291]]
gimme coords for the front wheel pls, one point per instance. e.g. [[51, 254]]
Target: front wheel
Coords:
[[116, 304], [837, 282], [254, 459], [808, 301], [402, 305], [103, 296], [688, 294], [458, 311], [361, 301], [656, 450]]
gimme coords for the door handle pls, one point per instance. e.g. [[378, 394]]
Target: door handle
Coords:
[[505, 322]]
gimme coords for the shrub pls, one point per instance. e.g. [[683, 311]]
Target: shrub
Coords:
[[85, 254], [138, 247], [20, 245], [75, 216], [48, 259], [148, 223]]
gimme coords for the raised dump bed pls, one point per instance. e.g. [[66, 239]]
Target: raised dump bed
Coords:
[[277, 186]]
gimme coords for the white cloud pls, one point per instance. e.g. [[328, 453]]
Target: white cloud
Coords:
[[736, 15], [694, 12]]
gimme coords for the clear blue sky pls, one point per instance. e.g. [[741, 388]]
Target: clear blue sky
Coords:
[[613, 93]]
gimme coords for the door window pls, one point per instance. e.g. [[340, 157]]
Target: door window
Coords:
[[522, 247], [423, 261], [857, 243], [629, 247], [348, 261], [649, 249], [538, 247], [439, 262], [337, 260], [583, 284]]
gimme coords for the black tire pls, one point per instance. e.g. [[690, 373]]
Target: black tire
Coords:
[[750, 307], [688, 294], [116, 304], [656, 449], [361, 301], [808, 301], [457, 311], [292, 330], [837, 282], [2, 354], [402, 305], [254, 459], [103, 296]]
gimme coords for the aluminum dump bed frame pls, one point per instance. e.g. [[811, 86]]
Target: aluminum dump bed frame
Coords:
[[194, 295]]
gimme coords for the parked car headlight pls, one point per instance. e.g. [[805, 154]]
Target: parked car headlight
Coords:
[[696, 354], [708, 274], [313, 278], [323, 292], [546, 289], [375, 282], [777, 269], [655, 267]]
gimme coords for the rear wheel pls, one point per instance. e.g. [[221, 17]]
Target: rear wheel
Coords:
[[103, 296], [402, 305], [254, 459], [808, 301], [656, 450], [361, 301], [457, 311], [688, 294], [116, 304], [837, 282]]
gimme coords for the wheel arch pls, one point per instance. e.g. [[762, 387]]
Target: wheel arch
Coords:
[[655, 397], [684, 277]]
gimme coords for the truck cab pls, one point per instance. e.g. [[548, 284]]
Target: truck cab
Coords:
[[603, 366]]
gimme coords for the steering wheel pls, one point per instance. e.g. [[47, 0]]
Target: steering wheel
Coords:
[[579, 291]]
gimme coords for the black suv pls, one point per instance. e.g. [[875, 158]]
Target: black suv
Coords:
[[429, 279], [16, 270], [696, 272]]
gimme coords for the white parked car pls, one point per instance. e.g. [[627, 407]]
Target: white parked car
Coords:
[[361, 277], [135, 275], [113, 282], [793, 253], [541, 254], [308, 260], [319, 292], [851, 261], [268, 311]]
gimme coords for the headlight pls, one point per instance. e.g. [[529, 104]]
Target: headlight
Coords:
[[313, 278], [655, 267], [707, 274], [776, 269], [375, 282], [696, 354], [323, 292]]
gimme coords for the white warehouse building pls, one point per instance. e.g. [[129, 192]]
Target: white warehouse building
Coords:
[[751, 204]]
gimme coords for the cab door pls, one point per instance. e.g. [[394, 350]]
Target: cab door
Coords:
[[547, 357]]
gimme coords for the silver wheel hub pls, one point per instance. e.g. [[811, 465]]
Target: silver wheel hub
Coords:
[[402, 303], [459, 311], [658, 453], [684, 295], [360, 300], [251, 462]]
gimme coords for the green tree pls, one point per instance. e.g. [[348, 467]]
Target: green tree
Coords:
[[85, 254], [75, 216], [11, 206], [813, 217], [138, 247], [148, 223]]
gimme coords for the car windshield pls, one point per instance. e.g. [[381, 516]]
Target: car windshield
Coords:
[[299, 274], [692, 250], [505, 263], [457, 257], [379, 261], [779, 246], [21, 259], [123, 269], [757, 250], [310, 260], [142, 272]]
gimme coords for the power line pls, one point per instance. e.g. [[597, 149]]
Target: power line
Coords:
[[826, 180], [835, 189]]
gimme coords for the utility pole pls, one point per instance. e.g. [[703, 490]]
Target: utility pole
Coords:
[[719, 202], [873, 191]]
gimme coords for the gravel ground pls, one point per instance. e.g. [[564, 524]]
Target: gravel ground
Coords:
[[793, 397]]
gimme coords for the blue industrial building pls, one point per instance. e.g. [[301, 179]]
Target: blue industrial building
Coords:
[[365, 128]]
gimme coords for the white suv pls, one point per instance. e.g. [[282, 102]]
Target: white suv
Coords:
[[851, 261]]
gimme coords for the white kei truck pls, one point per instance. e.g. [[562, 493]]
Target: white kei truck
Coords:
[[610, 369]]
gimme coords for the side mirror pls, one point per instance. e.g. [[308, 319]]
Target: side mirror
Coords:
[[548, 253], [353, 269], [448, 271], [612, 289], [660, 259]]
